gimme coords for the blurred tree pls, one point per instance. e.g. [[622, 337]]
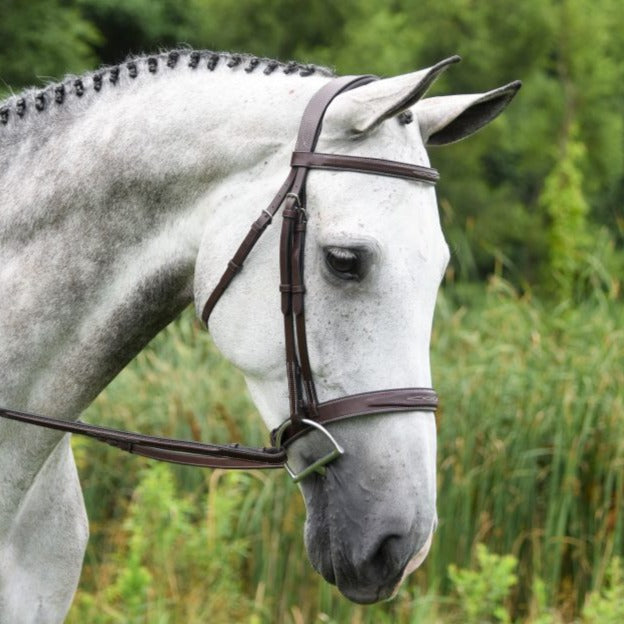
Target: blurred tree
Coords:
[[136, 26], [283, 29], [42, 39], [569, 54], [564, 202], [280, 30]]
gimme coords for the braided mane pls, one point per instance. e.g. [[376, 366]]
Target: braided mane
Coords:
[[33, 100]]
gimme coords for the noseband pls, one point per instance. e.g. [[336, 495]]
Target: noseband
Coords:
[[306, 413]]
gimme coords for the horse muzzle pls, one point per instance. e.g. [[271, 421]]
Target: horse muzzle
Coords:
[[368, 570]]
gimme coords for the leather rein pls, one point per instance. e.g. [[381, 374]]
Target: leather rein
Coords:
[[306, 413]]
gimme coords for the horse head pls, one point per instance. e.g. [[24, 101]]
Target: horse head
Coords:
[[374, 258]]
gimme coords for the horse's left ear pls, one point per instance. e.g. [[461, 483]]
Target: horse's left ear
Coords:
[[450, 118]]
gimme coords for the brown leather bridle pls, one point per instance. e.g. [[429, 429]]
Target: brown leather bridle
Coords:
[[306, 412]]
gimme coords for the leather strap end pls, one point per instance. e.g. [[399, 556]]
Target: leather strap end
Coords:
[[297, 301]]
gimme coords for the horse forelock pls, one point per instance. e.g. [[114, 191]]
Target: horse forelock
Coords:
[[36, 102]]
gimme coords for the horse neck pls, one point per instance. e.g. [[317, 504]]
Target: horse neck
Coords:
[[102, 205]]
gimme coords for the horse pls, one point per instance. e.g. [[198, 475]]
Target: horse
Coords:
[[124, 192]]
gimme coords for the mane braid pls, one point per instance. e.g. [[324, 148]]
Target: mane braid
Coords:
[[253, 63], [114, 74], [35, 101], [212, 61], [194, 59], [172, 58]]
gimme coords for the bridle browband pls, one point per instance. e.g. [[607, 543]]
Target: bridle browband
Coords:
[[306, 412]]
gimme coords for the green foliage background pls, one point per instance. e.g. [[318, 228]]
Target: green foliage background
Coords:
[[495, 203], [528, 349]]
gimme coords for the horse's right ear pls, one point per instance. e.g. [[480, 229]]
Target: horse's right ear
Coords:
[[357, 112], [450, 118]]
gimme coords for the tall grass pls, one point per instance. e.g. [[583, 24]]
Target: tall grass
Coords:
[[530, 463], [531, 438]]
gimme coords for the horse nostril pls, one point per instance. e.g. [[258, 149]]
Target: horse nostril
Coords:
[[389, 553], [375, 576]]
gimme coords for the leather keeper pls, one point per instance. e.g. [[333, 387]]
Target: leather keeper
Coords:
[[262, 222], [289, 213], [289, 288]]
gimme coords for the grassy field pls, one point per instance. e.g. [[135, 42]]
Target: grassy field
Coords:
[[530, 465]]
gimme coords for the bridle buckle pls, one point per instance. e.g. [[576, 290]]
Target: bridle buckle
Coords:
[[319, 465], [295, 196]]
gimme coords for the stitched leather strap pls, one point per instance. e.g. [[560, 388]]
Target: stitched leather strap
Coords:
[[301, 388], [367, 403], [166, 449], [254, 234], [361, 164], [312, 120]]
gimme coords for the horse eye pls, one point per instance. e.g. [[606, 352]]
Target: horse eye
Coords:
[[344, 263]]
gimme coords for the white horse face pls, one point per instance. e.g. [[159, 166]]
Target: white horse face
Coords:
[[374, 258]]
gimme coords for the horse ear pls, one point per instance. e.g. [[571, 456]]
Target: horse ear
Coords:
[[360, 110], [450, 118]]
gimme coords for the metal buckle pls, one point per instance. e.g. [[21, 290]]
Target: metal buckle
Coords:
[[319, 464], [296, 198], [298, 204]]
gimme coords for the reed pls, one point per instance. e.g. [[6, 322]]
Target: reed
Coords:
[[531, 445], [531, 450]]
